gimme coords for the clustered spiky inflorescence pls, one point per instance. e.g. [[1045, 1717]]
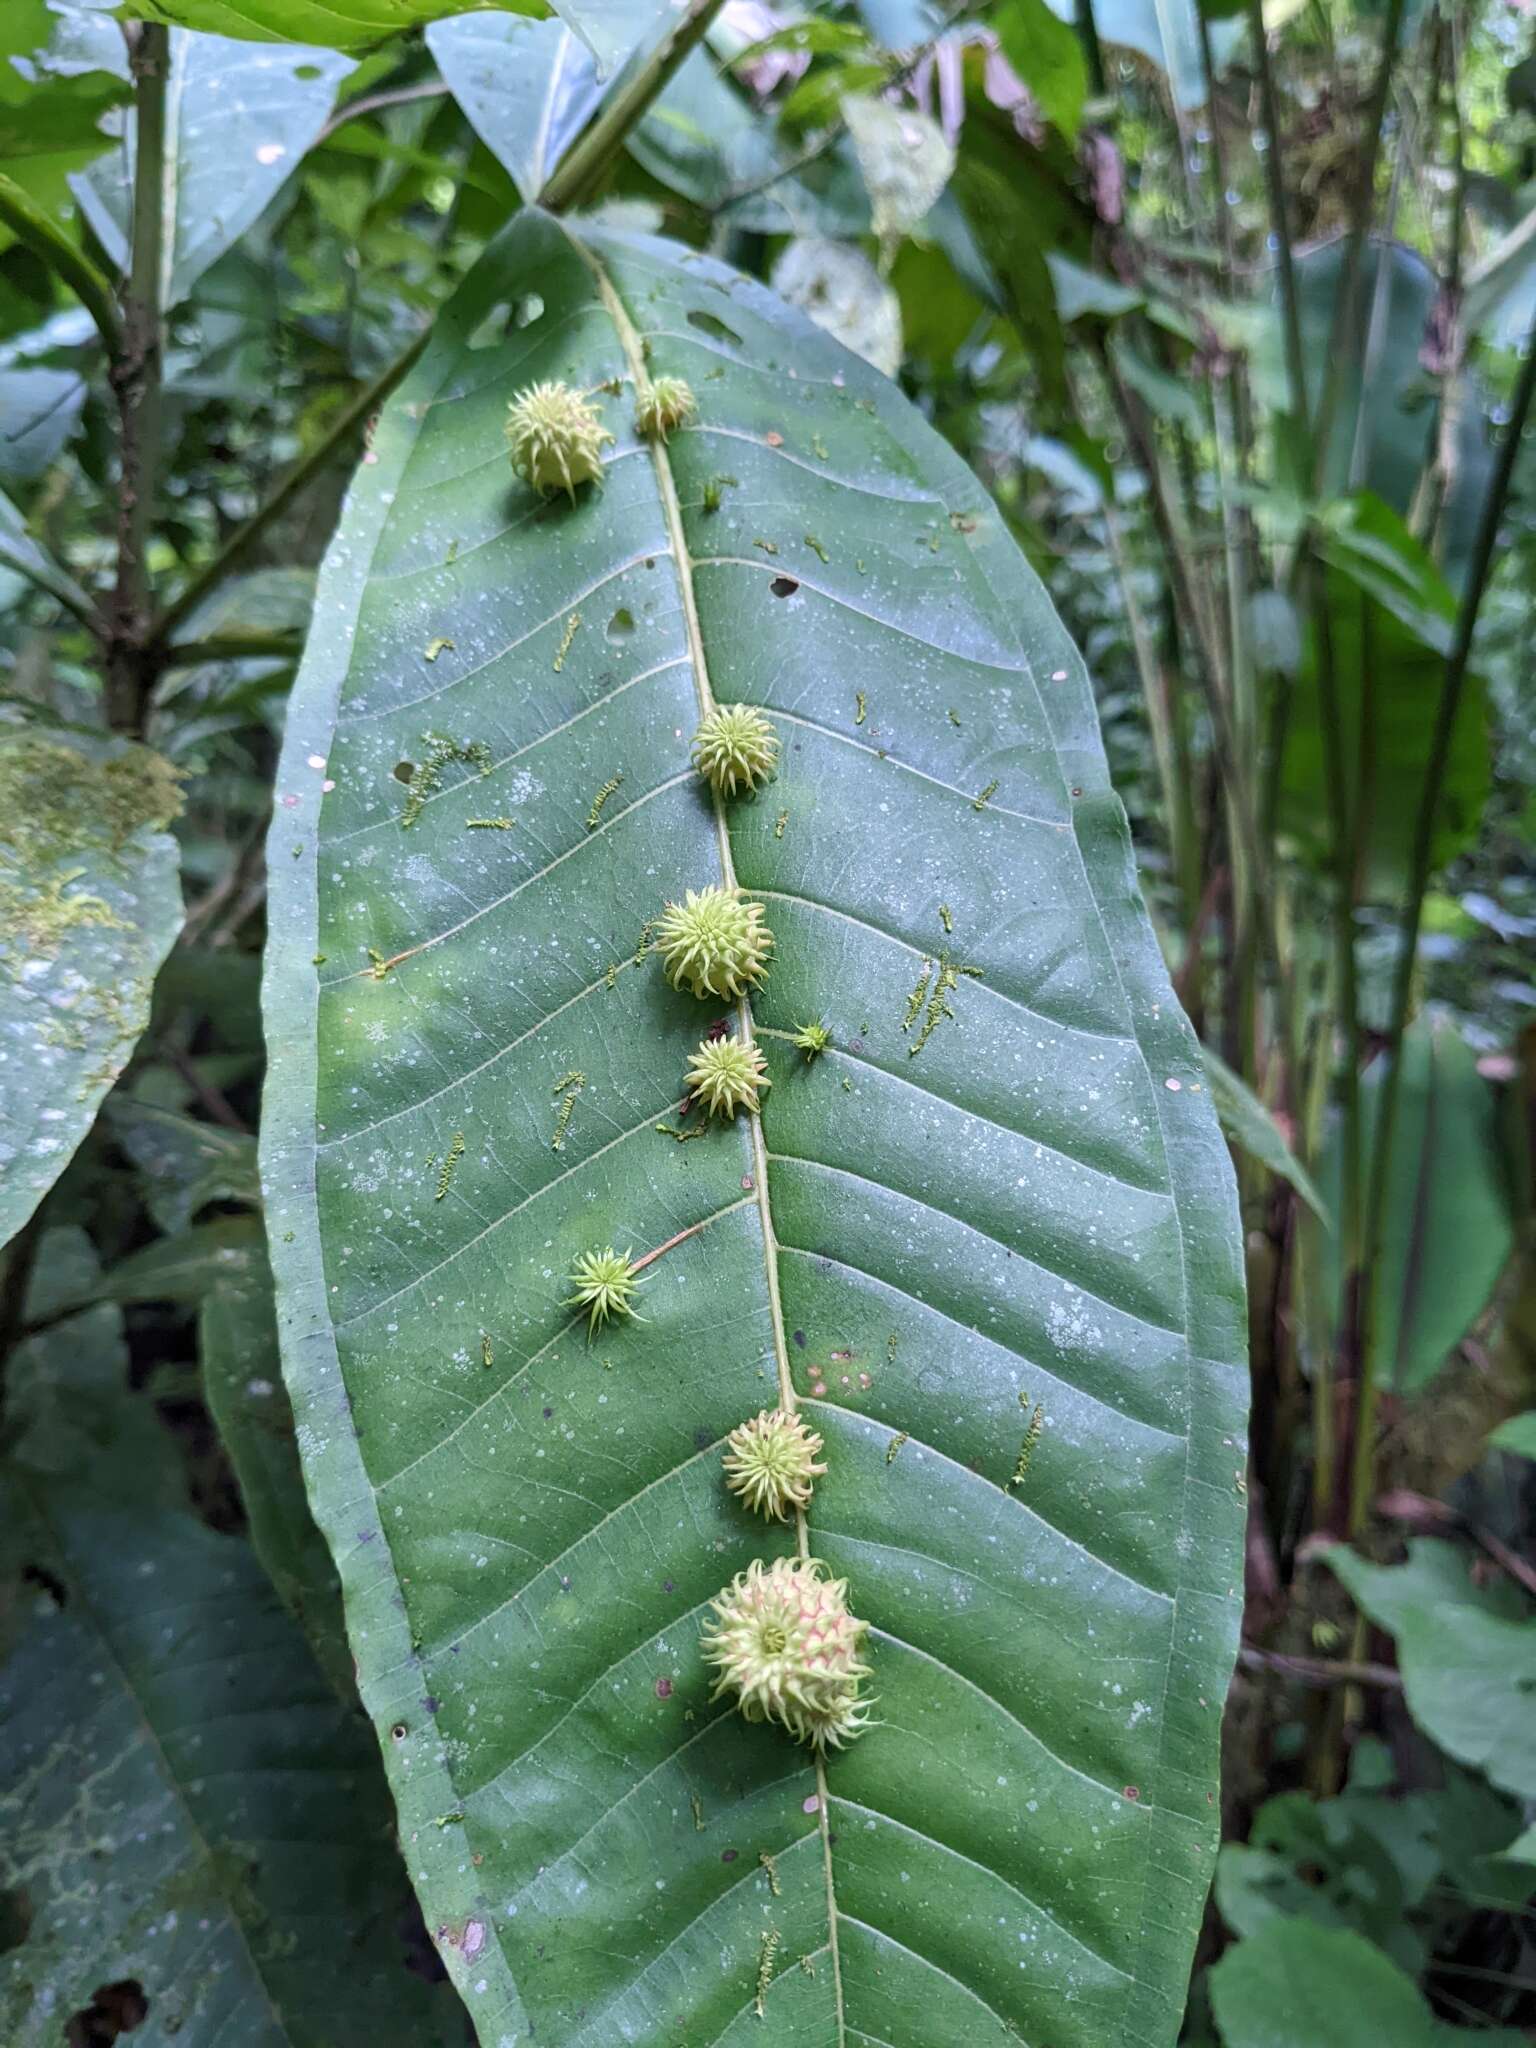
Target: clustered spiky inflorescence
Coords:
[[556, 437], [727, 1075], [771, 1461], [664, 403], [812, 1039], [605, 1284], [735, 748], [714, 943], [787, 1647]]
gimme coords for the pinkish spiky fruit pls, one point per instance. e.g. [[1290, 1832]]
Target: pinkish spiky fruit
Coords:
[[787, 1647]]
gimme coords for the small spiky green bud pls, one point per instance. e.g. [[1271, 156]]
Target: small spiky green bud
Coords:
[[787, 1647], [664, 403], [771, 1461], [605, 1284], [726, 1075], [812, 1039], [714, 943], [735, 747], [556, 437]]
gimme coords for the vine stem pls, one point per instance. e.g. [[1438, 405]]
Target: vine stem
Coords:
[[359, 408], [135, 377], [44, 238], [1364, 1460], [579, 170]]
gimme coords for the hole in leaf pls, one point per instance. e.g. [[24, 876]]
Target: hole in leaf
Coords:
[[114, 2009], [621, 625], [404, 770], [783, 586], [307, 71], [528, 310], [708, 324], [46, 1582], [493, 328], [15, 1918]]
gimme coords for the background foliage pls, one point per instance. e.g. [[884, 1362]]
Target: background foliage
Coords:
[[1229, 309]]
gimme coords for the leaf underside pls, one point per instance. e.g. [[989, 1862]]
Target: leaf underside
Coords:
[[930, 1240]]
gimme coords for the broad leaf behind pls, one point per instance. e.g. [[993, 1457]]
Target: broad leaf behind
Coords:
[[1026, 1215]]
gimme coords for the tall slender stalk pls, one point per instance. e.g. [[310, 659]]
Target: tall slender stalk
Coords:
[[578, 172], [135, 376], [1274, 185], [1419, 865], [1344, 332]]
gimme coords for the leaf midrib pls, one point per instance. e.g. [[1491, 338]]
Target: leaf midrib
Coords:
[[630, 341]]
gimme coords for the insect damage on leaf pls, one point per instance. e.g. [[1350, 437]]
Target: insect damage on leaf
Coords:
[[594, 816], [426, 777]]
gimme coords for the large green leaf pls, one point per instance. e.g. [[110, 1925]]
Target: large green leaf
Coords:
[[90, 903], [1449, 1225], [1295, 1985], [243, 1386], [528, 88], [1019, 1225], [611, 29], [1468, 1655], [238, 121], [192, 1826]]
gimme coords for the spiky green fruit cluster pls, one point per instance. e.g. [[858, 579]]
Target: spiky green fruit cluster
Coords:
[[714, 943], [735, 748], [770, 1463], [787, 1647], [556, 437], [663, 404], [606, 1284], [812, 1039], [726, 1075]]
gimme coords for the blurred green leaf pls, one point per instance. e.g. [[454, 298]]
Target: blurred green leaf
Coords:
[[1047, 54], [90, 904], [192, 1822], [238, 122], [1467, 1654], [1448, 1224], [1297, 1985], [1389, 615], [1250, 1125], [1401, 417], [185, 1164], [527, 87], [705, 140], [1517, 1435], [243, 1386]]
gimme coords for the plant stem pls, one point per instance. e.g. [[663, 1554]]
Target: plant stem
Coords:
[[232, 646], [1274, 181], [579, 171], [135, 378], [1344, 337], [44, 238], [1420, 862], [1093, 55], [243, 538]]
